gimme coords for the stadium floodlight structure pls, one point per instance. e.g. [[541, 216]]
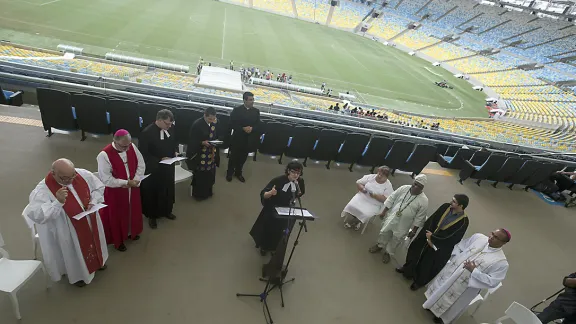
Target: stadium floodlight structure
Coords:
[[146, 62], [70, 49]]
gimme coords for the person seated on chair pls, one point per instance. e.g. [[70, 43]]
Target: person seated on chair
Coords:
[[373, 189], [564, 180], [565, 304]]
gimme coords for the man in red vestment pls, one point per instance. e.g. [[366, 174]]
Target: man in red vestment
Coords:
[[70, 246], [120, 168]]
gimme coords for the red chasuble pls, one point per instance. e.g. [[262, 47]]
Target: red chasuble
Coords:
[[124, 212], [88, 238]]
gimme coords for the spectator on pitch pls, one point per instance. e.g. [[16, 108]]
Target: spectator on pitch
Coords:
[[232, 65], [323, 87]]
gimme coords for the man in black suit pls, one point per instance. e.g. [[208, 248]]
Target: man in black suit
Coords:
[[244, 121]]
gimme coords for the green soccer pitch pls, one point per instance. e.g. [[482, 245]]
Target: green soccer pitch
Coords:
[[180, 31]]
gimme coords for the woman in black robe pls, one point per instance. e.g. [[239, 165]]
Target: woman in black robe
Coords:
[[204, 156], [445, 227], [268, 228]]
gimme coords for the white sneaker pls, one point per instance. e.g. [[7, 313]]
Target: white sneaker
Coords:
[[358, 226], [347, 225]]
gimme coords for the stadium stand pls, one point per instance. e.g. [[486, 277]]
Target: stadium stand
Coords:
[[409, 8], [567, 68], [388, 26], [283, 7], [312, 10], [416, 39], [490, 17], [349, 14], [446, 51]]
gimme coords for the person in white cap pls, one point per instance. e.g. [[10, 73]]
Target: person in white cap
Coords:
[[407, 206]]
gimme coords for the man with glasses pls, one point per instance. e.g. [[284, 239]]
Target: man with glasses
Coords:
[[431, 248], [279, 192], [157, 142], [73, 247], [476, 263], [244, 122], [121, 167]]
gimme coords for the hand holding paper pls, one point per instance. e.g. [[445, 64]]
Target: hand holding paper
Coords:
[[94, 208]]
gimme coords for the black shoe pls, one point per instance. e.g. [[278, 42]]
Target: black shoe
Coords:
[[171, 216], [414, 286], [80, 283], [400, 270], [152, 223], [122, 248], [241, 178], [104, 267], [438, 320], [136, 238], [262, 252], [228, 177]]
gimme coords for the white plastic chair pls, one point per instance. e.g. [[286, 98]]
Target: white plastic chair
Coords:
[[181, 174], [15, 273], [519, 315], [479, 299], [365, 224]]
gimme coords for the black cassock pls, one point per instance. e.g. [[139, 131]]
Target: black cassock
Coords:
[[157, 191], [268, 229], [422, 262], [203, 160]]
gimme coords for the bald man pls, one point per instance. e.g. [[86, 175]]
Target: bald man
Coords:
[[76, 248], [121, 167]]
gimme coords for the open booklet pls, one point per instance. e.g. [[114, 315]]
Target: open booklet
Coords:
[[94, 208], [173, 160]]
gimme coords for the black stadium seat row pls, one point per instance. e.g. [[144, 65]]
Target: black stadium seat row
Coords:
[[93, 113]]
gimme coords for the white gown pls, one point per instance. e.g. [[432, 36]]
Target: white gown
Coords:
[[58, 239], [452, 290], [362, 206]]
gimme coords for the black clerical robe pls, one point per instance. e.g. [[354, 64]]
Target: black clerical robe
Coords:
[[157, 191], [422, 262], [241, 143], [203, 160], [268, 229]]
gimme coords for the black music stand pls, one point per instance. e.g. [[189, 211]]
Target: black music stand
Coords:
[[275, 271]]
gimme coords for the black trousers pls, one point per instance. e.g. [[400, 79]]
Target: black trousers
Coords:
[[237, 159], [563, 182], [555, 311]]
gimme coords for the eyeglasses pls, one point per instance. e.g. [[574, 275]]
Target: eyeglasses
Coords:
[[295, 172], [64, 178]]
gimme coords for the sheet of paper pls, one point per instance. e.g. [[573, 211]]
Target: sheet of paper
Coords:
[[90, 211], [285, 211], [216, 142], [173, 160], [143, 177]]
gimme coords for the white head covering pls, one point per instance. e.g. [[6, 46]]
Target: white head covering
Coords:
[[421, 179]]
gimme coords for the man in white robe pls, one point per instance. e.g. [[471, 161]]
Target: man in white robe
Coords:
[[76, 248], [477, 263], [407, 206]]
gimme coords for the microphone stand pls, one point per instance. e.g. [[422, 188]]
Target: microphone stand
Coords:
[[272, 283], [302, 224]]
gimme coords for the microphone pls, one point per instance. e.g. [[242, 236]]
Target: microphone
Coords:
[[293, 188]]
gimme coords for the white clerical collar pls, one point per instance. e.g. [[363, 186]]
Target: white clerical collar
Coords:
[[289, 184], [491, 249], [163, 133]]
